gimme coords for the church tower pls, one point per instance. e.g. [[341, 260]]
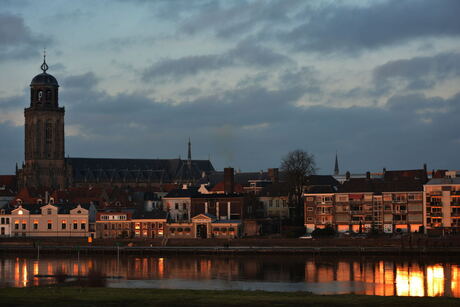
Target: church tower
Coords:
[[44, 134]]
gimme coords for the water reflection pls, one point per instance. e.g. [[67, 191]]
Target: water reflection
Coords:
[[370, 276]]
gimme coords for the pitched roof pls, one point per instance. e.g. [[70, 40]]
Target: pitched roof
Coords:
[[155, 215], [220, 187], [275, 189], [137, 170]]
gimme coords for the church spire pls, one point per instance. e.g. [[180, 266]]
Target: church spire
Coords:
[[44, 66], [189, 156], [336, 167]]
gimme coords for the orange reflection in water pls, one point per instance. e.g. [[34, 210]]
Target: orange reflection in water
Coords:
[[400, 277], [435, 280]]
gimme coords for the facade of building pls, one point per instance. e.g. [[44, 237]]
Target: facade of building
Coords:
[[52, 220], [442, 203], [121, 225], [391, 204], [5, 225], [205, 226]]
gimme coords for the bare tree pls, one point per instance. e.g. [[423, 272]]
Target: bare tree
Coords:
[[296, 166]]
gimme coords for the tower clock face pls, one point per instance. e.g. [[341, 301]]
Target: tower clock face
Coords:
[[40, 95]]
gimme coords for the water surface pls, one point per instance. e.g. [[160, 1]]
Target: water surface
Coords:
[[321, 274]]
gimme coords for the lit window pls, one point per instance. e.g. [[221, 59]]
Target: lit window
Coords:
[[64, 224]]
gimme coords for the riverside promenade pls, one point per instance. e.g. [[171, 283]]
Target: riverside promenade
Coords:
[[445, 246]]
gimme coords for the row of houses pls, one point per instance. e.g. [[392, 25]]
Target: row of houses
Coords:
[[398, 201], [240, 204]]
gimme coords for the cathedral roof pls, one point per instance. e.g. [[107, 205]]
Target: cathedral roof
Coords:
[[137, 170]]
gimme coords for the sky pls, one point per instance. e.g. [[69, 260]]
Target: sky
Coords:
[[247, 81]]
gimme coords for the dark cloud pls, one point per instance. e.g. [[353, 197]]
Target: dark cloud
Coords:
[[16, 39], [239, 18], [332, 28], [245, 53], [263, 126], [418, 72]]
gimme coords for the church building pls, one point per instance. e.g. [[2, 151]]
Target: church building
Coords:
[[45, 164]]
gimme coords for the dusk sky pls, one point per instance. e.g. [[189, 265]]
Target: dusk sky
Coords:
[[247, 81]]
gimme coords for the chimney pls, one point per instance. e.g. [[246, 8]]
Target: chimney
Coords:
[[347, 175], [368, 175], [273, 174], [228, 180]]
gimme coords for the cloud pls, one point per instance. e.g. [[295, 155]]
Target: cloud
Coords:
[[239, 18], [418, 72], [16, 39], [264, 124], [346, 28], [244, 54]]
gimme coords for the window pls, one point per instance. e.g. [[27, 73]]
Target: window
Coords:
[[7, 220], [50, 224], [137, 226], [83, 225], [2, 221], [176, 206], [24, 225], [49, 212], [35, 224], [75, 224], [16, 224], [64, 224]]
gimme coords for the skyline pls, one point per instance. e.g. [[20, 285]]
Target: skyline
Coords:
[[247, 81]]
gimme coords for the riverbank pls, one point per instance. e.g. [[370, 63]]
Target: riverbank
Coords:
[[447, 246], [230, 250], [74, 296]]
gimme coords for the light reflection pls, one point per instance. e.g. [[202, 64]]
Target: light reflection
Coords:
[[360, 276], [435, 280]]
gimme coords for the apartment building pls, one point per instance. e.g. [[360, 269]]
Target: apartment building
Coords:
[[390, 204], [442, 203]]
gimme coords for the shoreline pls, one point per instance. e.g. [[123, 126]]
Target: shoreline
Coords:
[[82, 296], [230, 250]]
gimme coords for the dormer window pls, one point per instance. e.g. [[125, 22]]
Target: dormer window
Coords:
[[49, 212]]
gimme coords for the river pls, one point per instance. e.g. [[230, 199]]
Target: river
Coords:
[[320, 274]]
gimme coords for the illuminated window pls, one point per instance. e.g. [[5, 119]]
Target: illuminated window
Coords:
[[24, 225], [137, 226], [35, 224], [16, 224], [64, 224], [83, 224]]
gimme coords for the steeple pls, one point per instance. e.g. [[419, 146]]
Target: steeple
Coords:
[[336, 167], [44, 66], [189, 156]]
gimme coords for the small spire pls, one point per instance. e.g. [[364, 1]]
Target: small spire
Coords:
[[189, 150], [336, 167], [44, 66]]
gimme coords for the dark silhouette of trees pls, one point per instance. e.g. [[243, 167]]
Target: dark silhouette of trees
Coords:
[[295, 168]]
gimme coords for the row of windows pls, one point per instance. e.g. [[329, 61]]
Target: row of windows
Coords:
[[50, 225], [113, 217], [277, 203], [5, 220]]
